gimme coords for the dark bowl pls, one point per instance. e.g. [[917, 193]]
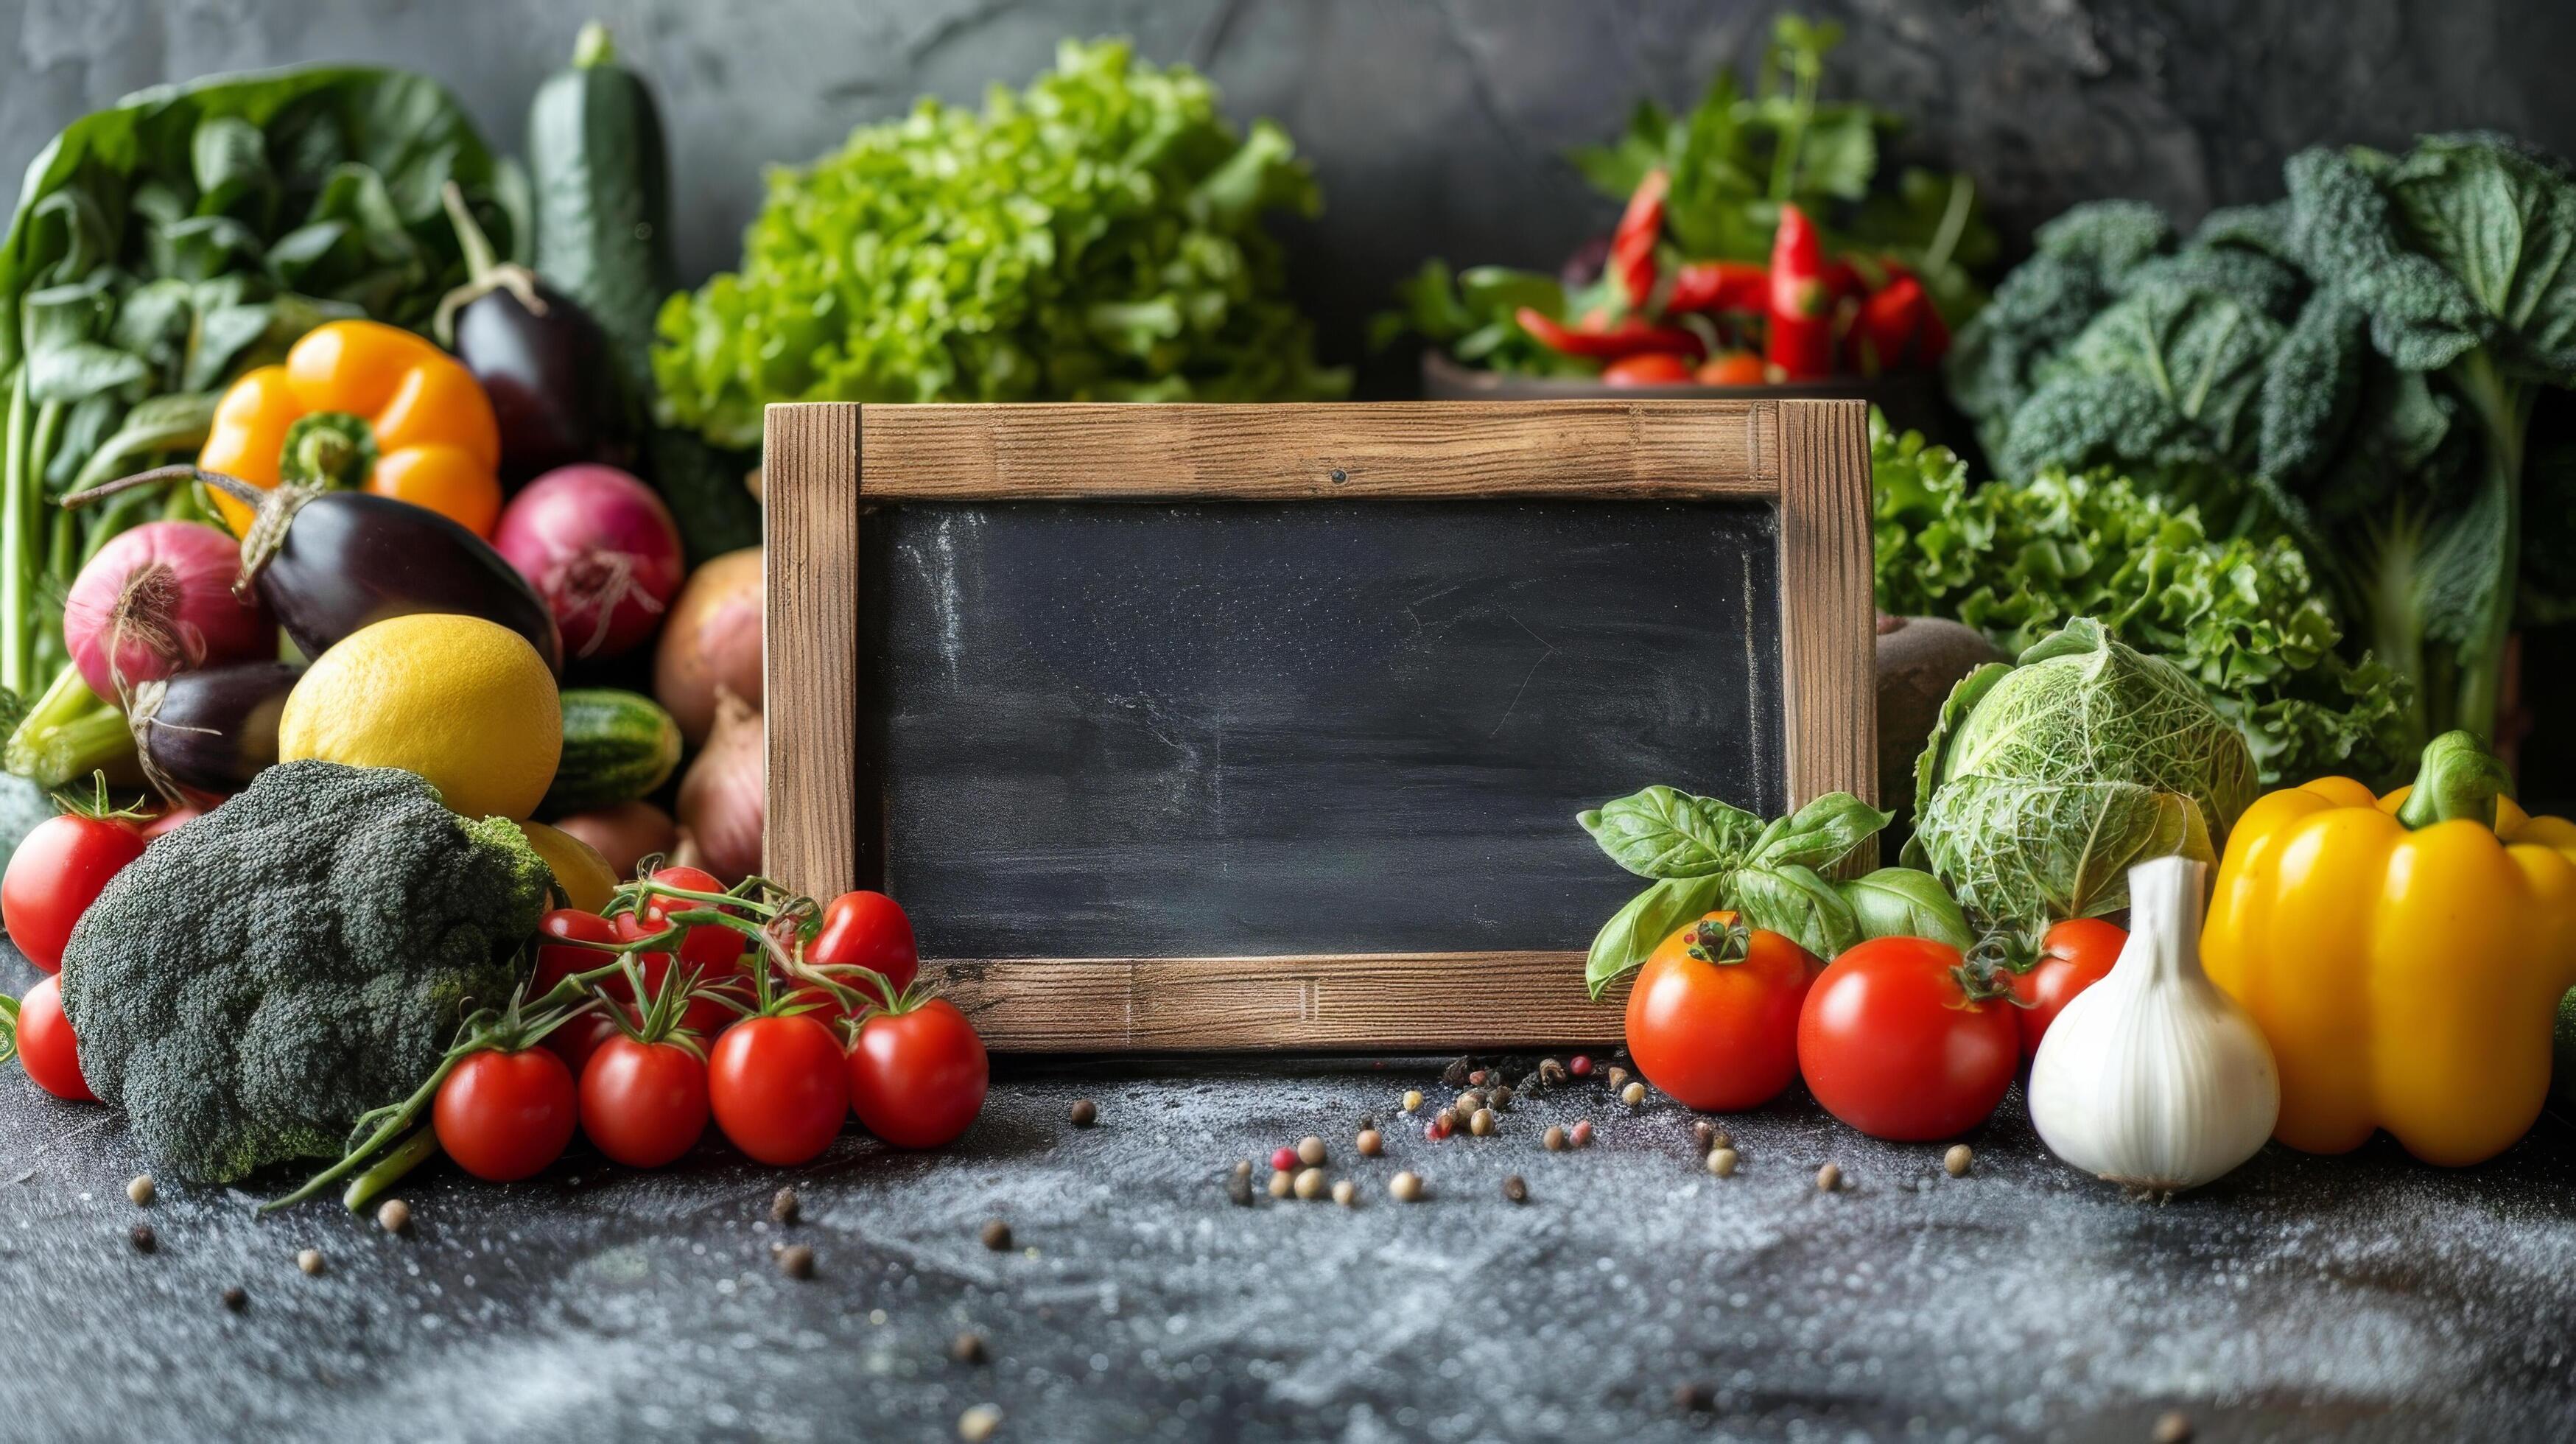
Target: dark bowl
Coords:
[[1912, 401]]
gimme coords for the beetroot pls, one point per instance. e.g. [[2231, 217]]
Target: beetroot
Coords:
[[602, 551], [158, 600]]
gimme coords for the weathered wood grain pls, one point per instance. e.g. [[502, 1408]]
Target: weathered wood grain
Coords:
[[1829, 638], [809, 656], [1414, 450], [1438, 1001]]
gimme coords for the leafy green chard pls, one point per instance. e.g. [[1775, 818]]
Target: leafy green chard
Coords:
[[2244, 619], [1098, 237], [2047, 779], [1703, 854], [164, 246]]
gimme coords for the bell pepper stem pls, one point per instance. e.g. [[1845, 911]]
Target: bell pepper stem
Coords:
[[2459, 777]]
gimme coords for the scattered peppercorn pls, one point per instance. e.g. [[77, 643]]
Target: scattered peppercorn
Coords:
[[796, 1261], [1618, 1077], [997, 1235], [1284, 1158], [1553, 1138], [1346, 1193], [1550, 1072], [1721, 1161], [1581, 1137], [968, 1348], [1477, 1076], [1370, 1145], [1829, 1178], [236, 1299], [1280, 1182], [1310, 1184], [1694, 1398], [1956, 1161], [1581, 1067], [144, 1239], [2174, 1427], [1238, 1190], [1447, 1121], [394, 1216], [1634, 1095], [1515, 1190], [1501, 1097], [1481, 1122], [1085, 1113], [977, 1424], [142, 1190], [1469, 1101], [310, 1260], [1704, 1133], [1243, 1168], [783, 1205], [1405, 1186], [1310, 1151], [1412, 1100]]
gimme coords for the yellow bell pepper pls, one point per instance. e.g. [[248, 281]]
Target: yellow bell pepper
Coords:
[[2405, 955], [362, 404]]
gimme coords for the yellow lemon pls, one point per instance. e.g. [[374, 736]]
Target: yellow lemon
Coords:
[[582, 877], [463, 702]]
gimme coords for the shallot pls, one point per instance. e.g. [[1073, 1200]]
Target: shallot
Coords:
[[721, 806], [601, 549], [159, 600], [711, 643]]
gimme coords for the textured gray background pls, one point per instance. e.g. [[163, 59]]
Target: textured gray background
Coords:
[[1438, 126]]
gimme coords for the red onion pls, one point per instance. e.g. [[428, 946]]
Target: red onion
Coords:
[[601, 549], [158, 600]]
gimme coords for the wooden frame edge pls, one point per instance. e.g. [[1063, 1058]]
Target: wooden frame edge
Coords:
[[1828, 611], [810, 645]]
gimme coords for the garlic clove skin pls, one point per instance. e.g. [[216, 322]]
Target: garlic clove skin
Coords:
[[2153, 1078]]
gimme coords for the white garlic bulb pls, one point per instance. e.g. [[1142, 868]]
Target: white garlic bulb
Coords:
[[2152, 1078]]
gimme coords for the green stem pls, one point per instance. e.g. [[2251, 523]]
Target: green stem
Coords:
[[593, 47], [17, 557], [2388, 594], [2458, 778], [405, 1156], [2504, 410], [68, 733], [8, 1028]]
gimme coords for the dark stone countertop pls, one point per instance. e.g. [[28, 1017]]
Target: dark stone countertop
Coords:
[[2362, 1297]]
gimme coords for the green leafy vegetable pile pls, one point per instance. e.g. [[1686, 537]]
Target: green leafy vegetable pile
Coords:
[[2047, 779], [1098, 237], [2243, 618], [268, 973], [2358, 366]]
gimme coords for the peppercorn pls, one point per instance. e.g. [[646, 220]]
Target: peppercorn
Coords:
[[968, 1348], [142, 1190], [394, 1216], [1469, 1101], [1283, 1158], [144, 1239], [236, 1298], [1618, 1077], [1405, 1186], [796, 1261], [1550, 1072], [1634, 1095], [1412, 1100], [1581, 1067], [310, 1260], [1455, 1075], [1515, 1190], [1481, 1122], [783, 1205], [1956, 1161], [1085, 1113], [1310, 1184], [1280, 1181], [1243, 1168], [1721, 1161], [1447, 1121], [1581, 1137], [1553, 1138], [1477, 1076], [2173, 1427], [1704, 1133], [1346, 1193], [1370, 1145], [1694, 1398], [997, 1235], [977, 1424], [1500, 1098], [1829, 1178], [1310, 1151], [1238, 1190]]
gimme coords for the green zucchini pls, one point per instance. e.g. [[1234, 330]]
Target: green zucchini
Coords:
[[617, 746], [602, 179]]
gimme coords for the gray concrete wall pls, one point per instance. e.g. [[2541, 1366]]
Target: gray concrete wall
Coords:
[[1437, 125]]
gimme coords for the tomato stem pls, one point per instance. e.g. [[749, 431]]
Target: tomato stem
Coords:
[[405, 1156]]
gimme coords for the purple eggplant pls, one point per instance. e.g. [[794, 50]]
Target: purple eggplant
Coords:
[[541, 358], [331, 562], [211, 731]]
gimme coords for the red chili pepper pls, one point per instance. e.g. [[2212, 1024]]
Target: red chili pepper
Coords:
[[1632, 245], [1720, 286], [1899, 328], [1801, 342], [1631, 337], [1648, 368]]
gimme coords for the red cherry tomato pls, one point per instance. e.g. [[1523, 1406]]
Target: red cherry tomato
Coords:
[[578, 1041], [1651, 368], [505, 1116], [55, 875], [560, 961], [643, 1104], [1713, 1019], [867, 930], [1892, 1043], [712, 948], [46, 1045], [778, 1088], [2073, 956], [917, 1078]]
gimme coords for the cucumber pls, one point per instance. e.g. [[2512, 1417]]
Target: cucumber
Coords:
[[617, 746], [601, 174]]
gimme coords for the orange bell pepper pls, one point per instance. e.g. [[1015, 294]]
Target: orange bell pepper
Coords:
[[363, 404]]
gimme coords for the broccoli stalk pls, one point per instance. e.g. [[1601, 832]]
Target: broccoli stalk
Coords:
[[68, 733]]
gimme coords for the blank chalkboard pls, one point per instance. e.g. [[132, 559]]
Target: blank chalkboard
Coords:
[[1180, 727]]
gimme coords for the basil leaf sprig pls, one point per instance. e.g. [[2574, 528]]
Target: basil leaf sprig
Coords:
[[1704, 854]]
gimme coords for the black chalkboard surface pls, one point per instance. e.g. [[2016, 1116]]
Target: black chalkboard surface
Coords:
[[1325, 727], [1180, 727]]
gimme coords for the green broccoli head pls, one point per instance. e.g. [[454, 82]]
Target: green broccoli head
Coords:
[[269, 972]]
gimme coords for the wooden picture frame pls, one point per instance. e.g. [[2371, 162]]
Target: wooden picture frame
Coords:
[[822, 462]]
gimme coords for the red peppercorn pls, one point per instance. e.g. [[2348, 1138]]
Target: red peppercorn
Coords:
[[1437, 1128], [1581, 1067], [1582, 1135], [1284, 1161]]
